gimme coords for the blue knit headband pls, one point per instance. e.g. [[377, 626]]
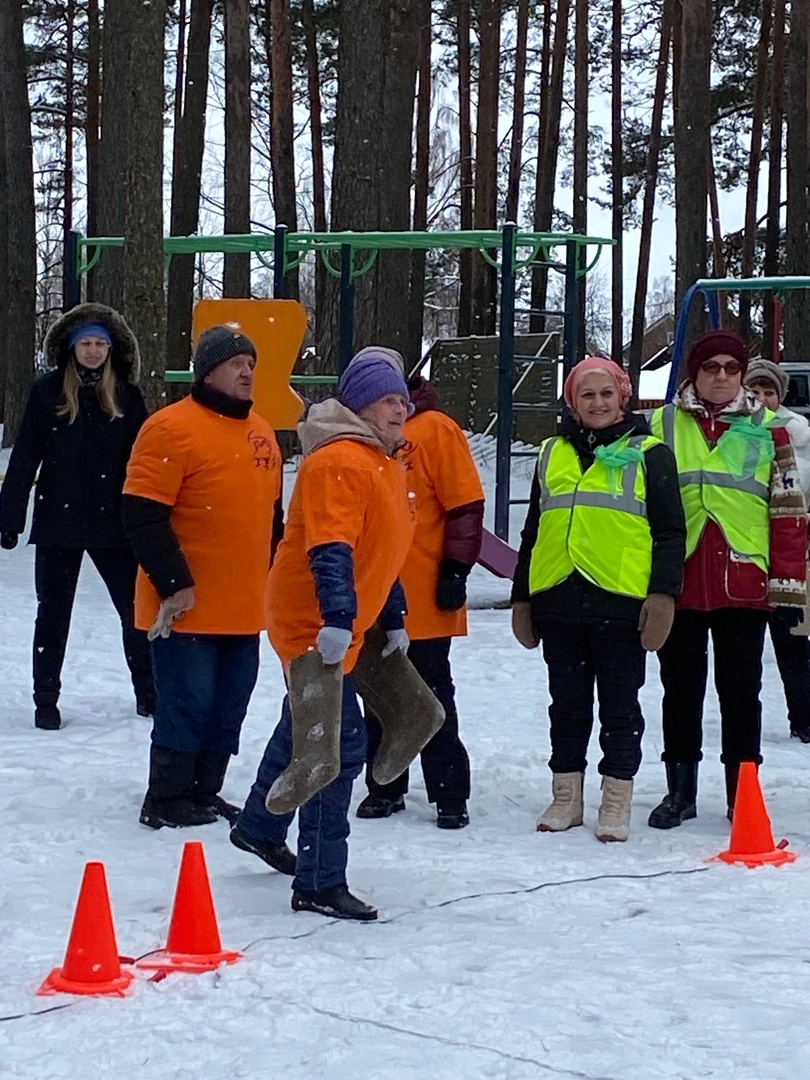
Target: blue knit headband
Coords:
[[87, 330]]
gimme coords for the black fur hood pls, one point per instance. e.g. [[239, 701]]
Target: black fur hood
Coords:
[[126, 359]]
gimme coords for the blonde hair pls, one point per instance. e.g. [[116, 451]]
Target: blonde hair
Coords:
[[105, 392]]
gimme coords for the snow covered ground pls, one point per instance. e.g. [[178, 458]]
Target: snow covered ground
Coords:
[[500, 954]]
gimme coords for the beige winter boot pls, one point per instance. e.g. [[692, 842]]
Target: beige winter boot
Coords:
[[565, 810], [316, 695], [613, 822]]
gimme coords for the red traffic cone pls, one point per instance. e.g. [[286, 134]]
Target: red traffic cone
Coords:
[[751, 837], [91, 962], [194, 944]]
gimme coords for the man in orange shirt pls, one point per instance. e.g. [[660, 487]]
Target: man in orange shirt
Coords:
[[202, 509], [447, 543], [349, 528]]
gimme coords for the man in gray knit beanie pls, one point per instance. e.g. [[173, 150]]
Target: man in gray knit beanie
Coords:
[[216, 345]]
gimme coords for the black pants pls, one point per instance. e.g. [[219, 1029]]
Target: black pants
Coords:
[[793, 660], [445, 763], [56, 573], [738, 635], [577, 656]]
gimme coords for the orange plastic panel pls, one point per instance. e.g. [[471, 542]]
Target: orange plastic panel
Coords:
[[276, 328]]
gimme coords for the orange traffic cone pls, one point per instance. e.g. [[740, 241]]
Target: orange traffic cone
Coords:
[[751, 836], [194, 944], [91, 962]]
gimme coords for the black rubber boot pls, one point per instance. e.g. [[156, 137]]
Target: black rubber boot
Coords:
[[209, 776], [335, 903], [47, 718], [680, 802], [452, 814], [377, 806], [277, 856], [169, 797]]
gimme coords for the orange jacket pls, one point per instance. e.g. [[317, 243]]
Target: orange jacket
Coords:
[[221, 476], [348, 492], [443, 477]]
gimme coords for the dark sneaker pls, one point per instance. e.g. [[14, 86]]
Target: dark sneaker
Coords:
[[175, 813], [47, 718], [377, 806], [452, 815], [219, 806], [278, 856], [335, 903]]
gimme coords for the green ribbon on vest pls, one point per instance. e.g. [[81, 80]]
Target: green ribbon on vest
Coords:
[[746, 446], [616, 458]]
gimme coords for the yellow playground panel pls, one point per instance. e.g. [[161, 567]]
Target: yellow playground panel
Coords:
[[276, 328]]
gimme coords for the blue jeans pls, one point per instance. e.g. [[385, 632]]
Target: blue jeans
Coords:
[[323, 821], [204, 683]]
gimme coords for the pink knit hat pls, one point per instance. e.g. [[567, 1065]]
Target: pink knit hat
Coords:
[[597, 363]]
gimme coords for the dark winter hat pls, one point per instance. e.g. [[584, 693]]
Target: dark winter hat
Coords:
[[716, 343], [368, 380], [216, 345], [767, 371]]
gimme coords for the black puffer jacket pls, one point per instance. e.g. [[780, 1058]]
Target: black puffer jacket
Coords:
[[577, 600], [82, 465]]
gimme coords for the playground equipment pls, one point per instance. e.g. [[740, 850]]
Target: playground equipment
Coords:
[[708, 288], [509, 250]]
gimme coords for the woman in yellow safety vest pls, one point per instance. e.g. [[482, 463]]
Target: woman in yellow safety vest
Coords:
[[598, 572], [746, 549]]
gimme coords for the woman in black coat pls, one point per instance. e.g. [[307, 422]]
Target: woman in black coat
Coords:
[[78, 428]]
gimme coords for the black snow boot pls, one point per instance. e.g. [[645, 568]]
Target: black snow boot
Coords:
[[680, 802], [47, 717], [378, 806], [277, 856], [452, 814], [335, 903], [732, 776], [209, 776], [169, 797]]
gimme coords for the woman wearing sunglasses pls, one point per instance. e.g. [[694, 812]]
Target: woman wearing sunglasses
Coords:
[[745, 557]]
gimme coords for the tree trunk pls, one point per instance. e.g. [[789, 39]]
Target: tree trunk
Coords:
[[692, 148], [754, 159], [189, 144], [797, 251], [144, 300], [416, 297], [19, 237], [70, 113], [465, 267], [617, 188], [650, 182], [316, 140], [548, 148], [107, 285], [236, 274], [485, 211], [773, 231], [93, 118], [518, 116], [580, 177], [282, 149]]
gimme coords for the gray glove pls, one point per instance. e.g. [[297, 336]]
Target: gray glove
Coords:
[[397, 639], [171, 609], [333, 643]]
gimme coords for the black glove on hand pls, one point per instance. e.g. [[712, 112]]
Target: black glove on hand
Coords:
[[790, 616], [8, 540], [451, 591]]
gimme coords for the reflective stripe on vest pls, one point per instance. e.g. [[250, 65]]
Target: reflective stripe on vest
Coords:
[[589, 526], [738, 504]]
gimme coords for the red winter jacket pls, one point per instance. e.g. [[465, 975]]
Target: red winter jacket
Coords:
[[715, 577]]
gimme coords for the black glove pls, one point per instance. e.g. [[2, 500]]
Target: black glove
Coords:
[[790, 616], [451, 591], [8, 540]]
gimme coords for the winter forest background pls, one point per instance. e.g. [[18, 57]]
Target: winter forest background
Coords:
[[145, 118]]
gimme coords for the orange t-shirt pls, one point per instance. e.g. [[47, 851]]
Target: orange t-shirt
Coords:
[[221, 477], [351, 493], [443, 476]]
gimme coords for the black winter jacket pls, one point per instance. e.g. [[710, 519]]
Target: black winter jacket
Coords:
[[82, 466], [577, 600]]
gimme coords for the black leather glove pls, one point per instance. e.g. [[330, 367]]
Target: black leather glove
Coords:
[[451, 591], [8, 540], [790, 616]]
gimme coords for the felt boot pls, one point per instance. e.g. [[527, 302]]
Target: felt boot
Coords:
[[565, 810], [613, 820]]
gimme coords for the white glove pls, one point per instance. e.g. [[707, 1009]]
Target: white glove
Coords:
[[397, 639], [333, 643], [171, 608]]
